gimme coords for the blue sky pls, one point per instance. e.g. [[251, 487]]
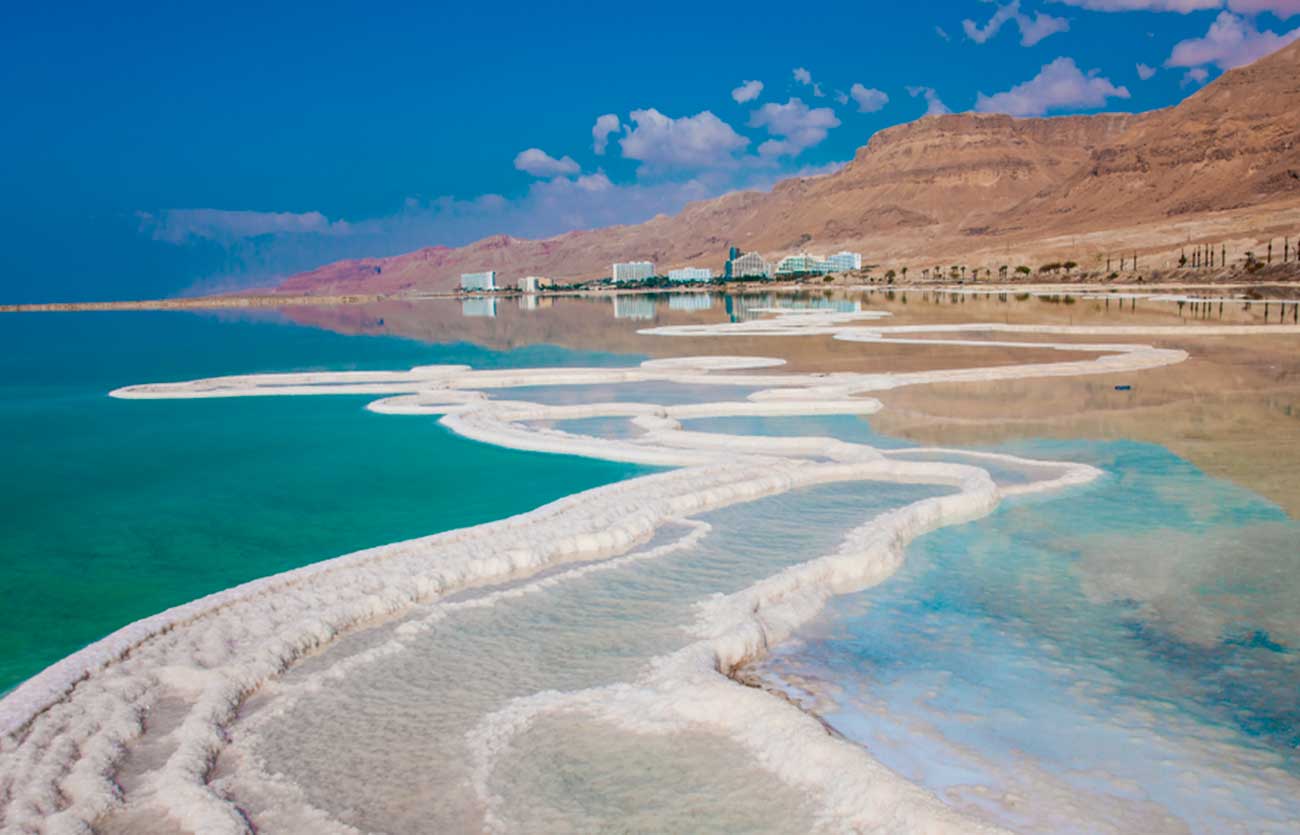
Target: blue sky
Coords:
[[161, 148]]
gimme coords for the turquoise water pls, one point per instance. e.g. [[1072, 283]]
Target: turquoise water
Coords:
[[1129, 647], [117, 509]]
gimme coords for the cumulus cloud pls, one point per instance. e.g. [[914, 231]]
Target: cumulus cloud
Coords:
[[805, 78], [178, 226], [600, 132], [1145, 73], [1281, 8], [868, 99], [795, 125], [1181, 6], [747, 91], [661, 142], [1059, 86], [934, 106], [939, 30], [537, 162], [1032, 29], [1231, 41]]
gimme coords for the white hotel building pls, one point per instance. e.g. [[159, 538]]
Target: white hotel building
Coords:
[[533, 283], [844, 261], [478, 282], [688, 274], [633, 271]]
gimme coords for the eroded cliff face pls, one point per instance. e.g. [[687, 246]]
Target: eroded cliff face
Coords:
[[1232, 145], [944, 187]]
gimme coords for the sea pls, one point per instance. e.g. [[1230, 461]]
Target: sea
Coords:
[[1115, 656]]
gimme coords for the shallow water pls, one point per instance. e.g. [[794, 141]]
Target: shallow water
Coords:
[[116, 510], [1123, 658], [406, 715]]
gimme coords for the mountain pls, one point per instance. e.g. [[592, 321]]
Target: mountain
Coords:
[[1222, 166]]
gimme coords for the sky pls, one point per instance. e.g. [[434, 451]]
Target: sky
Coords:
[[157, 149]]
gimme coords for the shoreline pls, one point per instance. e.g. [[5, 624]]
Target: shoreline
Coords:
[[1083, 285]]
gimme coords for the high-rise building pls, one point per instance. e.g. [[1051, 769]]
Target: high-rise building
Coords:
[[842, 262], [751, 265], [533, 283], [478, 282], [633, 271], [686, 274], [802, 264]]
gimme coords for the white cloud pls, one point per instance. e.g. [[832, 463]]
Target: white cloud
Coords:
[[1032, 29], [805, 78], [796, 125], [1230, 42], [691, 142], [1145, 73], [605, 125], [934, 106], [868, 99], [1282, 8], [178, 226], [747, 91], [537, 162], [1181, 6], [938, 30], [1059, 86]]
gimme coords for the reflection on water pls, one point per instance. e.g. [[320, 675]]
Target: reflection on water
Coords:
[[479, 307], [1233, 409], [1121, 657]]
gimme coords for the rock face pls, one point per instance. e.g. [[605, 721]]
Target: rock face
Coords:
[[971, 186]]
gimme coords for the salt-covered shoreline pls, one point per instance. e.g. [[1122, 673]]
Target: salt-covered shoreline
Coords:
[[66, 730]]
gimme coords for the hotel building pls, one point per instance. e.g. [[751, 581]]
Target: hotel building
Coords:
[[842, 262], [751, 265], [533, 283], [687, 274], [478, 282], [634, 271]]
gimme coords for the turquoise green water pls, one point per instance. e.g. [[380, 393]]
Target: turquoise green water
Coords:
[[117, 509]]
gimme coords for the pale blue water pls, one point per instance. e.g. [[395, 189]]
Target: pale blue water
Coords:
[[116, 509], [1134, 642]]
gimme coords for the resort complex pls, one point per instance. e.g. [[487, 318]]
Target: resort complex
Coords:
[[750, 266]]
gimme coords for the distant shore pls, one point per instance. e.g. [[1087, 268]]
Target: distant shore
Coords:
[[1271, 284]]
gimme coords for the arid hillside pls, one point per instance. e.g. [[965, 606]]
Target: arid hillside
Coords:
[[1222, 167]]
